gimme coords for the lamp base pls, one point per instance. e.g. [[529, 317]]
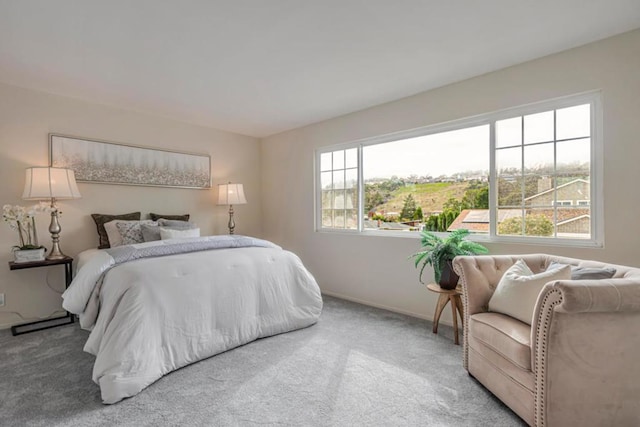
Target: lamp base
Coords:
[[55, 229], [55, 253], [232, 223]]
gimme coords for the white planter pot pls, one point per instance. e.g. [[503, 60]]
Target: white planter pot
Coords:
[[28, 255]]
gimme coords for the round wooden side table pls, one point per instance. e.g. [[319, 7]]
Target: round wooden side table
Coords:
[[446, 296]]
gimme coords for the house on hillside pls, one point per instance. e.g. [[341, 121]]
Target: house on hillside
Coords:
[[572, 193], [577, 225], [571, 213], [477, 220]]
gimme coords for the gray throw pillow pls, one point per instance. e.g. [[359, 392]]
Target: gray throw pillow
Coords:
[[586, 273], [130, 232], [150, 233], [592, 273]]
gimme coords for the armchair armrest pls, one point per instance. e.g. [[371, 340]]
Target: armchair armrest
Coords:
[[581, 296], [581, 340], [598, 296]]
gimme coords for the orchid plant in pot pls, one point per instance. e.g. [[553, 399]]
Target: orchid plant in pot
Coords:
[[23, 221], [439, 252]]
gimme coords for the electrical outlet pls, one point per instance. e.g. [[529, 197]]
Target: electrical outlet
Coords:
[[1, 300]]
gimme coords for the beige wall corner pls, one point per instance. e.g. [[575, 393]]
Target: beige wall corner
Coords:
[[375, 269], [26, 119]]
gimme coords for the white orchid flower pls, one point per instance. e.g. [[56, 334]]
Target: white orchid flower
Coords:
[[22, 220]]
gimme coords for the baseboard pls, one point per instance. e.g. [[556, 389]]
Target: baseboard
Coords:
[[18, 320], [344, 297], [385, 307]]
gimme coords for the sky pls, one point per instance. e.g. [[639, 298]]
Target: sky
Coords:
[[468, 149]]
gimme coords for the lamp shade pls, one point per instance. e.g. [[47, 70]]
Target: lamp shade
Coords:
[[50, 183], [231, 194]]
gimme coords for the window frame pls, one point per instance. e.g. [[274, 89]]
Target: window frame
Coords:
[[596, 201]]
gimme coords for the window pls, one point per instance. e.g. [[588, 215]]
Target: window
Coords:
[[417, 182], [543, 164], [339, 188], [522, 174]]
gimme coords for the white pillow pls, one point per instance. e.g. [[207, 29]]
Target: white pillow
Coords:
[[167, 233], [518, 290], [115, 238]]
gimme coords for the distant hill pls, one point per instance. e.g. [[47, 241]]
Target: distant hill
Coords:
[[430, 196]]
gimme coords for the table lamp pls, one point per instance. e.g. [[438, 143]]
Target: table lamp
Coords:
[[231, 194], [48, 183]]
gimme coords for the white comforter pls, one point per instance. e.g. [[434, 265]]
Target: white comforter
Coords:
[[159, 314]]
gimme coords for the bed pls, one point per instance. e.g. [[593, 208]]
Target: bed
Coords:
[[157, 306]]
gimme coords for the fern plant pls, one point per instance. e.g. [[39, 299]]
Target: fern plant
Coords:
[[436, 251]]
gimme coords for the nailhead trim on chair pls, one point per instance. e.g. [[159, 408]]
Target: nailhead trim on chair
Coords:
[[465, 315], [551, 299], [465, 305]]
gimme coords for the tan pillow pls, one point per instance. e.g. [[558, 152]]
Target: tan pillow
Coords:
[[518, 290]]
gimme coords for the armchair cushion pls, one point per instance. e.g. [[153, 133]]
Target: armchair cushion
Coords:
[[518, 290], [505, 335]]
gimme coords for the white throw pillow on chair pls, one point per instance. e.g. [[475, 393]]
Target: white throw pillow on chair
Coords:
[[518, 290]]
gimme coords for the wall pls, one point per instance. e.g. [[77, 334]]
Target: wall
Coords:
[[26, 119], [375, 270]]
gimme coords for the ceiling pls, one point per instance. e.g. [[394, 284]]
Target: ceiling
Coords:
[[259, 67]]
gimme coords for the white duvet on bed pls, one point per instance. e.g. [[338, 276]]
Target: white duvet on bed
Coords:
[[159, 314]]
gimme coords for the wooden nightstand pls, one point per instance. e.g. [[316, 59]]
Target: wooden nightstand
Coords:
[[446, 296], [45, 323]]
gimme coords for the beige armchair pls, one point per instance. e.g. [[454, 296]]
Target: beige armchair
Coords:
[[578, 364]]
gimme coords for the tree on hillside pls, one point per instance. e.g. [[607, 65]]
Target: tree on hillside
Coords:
[[476, 197], [418, 216], [372, 199], [440, 222], [409, 208], [379, 193], [513, 186], [451, 210], [392, 184], [453, 205], [510, 191], [535, 225]]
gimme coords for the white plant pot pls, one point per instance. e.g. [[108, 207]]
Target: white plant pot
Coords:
[[28, 255]]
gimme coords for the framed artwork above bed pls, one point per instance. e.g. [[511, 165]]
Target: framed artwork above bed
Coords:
[[105, 162]]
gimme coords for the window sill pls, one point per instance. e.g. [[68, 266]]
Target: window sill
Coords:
[[480, 238]]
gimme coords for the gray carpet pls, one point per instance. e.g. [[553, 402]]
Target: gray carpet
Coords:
[[359, 366]]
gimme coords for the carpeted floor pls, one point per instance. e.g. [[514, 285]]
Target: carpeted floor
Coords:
[[359, 366]]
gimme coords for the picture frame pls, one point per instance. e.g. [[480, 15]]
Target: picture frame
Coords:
[[104, 162]]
